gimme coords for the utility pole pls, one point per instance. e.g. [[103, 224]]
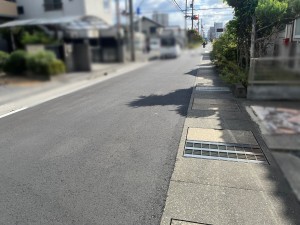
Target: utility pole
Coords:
[[192, 14], [132, 47], [185, 16], [201, 28], [118, 30], [199, 24], [126, 17]]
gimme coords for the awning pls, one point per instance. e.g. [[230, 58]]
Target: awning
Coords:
[[69, 23]]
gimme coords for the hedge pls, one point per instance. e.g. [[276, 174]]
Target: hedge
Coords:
[[45, 64], [42, 64], [16, 63], [3, 58]]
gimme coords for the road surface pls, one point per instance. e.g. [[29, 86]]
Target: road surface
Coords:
[[101, 155]]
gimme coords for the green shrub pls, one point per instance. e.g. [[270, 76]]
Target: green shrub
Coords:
[[57, 67], [3, 59], [45, 64], [37, 37], [232, 73], [16, 63]]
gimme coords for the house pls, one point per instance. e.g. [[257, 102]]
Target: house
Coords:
[[276, 76], [8, 11], [32, 9], [289, 41], [85, 26], [148, 26]]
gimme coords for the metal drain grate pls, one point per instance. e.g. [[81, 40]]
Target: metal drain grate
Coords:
[[224, 151], [211, 88]]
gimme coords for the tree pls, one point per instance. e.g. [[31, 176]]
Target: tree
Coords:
[[271, 17], [243, 12]]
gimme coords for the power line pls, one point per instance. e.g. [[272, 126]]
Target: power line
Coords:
[[142, 1], [212, 8], [178, 6]]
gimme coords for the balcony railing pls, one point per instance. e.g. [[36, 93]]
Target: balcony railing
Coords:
[[53, 6]]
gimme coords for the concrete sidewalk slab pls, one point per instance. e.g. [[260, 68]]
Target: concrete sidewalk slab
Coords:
[[214, 101], [226, 192], [209, 114], [226, 136], [219, 123], [224, 205], [231, 107], [231, 174], [212, 95]]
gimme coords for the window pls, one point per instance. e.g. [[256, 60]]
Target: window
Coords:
[[106, 4], [297, 28], [51, 5], [168, 42], [20, 10], [152, 30]]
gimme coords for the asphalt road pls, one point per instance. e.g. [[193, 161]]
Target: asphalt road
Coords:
[[102, 155]]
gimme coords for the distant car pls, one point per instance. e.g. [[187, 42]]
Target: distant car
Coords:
[[169, 48]]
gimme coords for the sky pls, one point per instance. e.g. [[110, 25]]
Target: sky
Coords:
[[177, 18]]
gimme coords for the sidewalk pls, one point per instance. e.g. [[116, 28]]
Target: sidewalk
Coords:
[[243, 184], [23, 94]]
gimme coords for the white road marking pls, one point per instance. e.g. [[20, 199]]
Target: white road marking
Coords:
[[12, 112]]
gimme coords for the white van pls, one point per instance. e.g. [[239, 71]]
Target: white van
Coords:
[[169, 48]]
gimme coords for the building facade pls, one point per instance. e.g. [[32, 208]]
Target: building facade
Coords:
[[8, 10], [211, 34], [149, 27], [29, 9], [218, 26], [161, 18]]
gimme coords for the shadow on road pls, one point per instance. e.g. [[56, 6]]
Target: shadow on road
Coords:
[[179, 98], [193, 72]]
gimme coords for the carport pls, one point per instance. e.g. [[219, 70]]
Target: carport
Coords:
[[86, 39]]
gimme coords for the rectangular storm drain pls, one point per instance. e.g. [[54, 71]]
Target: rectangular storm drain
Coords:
[[212, 88], [224, 151]]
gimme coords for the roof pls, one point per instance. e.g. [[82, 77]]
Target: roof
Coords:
[[68, 23], [151, 21]]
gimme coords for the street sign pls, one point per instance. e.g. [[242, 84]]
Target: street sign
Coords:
[[220, 29], [138, 11]]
